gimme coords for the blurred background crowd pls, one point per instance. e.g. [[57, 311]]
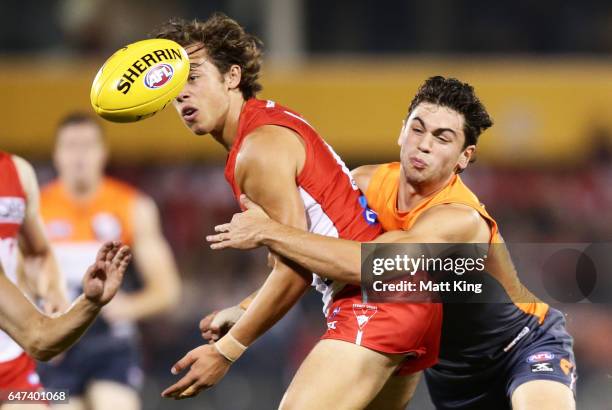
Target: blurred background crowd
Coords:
[[544, 170]]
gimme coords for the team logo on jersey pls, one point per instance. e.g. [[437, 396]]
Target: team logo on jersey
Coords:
[[541, 357], [332, 325], [106, 227], [363, 313], [541, 367], [12, 210], [369, 215], [158, 76]]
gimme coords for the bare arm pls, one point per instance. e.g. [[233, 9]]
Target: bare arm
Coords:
[[340, 259], [44, 337], [156, 264], [269, 163], [267, 166], [35, 246]]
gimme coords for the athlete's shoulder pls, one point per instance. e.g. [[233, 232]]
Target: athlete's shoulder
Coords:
[[363, 175]]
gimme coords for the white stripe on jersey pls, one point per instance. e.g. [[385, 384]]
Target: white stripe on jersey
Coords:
[[319, 222]]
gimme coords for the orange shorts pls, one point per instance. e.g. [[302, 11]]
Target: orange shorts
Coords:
[[19, 374], [412, 329]]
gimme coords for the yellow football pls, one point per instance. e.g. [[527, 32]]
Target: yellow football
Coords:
[[139, 80]]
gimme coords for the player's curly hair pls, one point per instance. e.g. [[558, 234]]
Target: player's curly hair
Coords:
[[459, 96], [226, 44]]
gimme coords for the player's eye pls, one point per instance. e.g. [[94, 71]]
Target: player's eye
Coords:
[[193, 77], [417, 130], [442, 138]]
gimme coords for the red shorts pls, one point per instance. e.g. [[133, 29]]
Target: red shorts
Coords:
[[412, 329], [19, 374]]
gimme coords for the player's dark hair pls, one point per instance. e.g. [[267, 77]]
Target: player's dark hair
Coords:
[[226, 44], [77, 118], [458, 96]]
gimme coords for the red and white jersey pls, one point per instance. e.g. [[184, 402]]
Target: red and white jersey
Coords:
[[330, 195], [12, 214]]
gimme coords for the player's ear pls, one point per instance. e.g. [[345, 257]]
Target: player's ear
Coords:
[[466, 157], [403, 133], [233, 76]]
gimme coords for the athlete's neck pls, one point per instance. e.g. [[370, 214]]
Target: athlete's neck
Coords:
[[227, 134], [410, 194], [81, 191]]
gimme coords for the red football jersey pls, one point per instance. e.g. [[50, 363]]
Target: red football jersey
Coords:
[[333, 203], [12, 214]]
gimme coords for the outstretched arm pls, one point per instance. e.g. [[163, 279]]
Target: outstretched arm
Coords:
[[340, 259], [269, 162], [44, 337]]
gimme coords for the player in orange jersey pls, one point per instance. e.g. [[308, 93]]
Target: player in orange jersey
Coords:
[[493, 355], [81, 209]]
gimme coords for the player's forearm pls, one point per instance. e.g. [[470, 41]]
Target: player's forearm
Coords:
[[333, 258], [280, 292], [54, 335]]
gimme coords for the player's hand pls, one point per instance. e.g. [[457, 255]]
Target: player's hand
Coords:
[[218, 323], [103, 279], [242, 232], [206, 368]]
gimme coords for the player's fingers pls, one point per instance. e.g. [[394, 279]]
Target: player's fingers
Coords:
[[178, 387], [218, 238], [122, 256], [221, 245], [101, 255], [205, 323], [182, 364], [222, 227], [192, 391], [112, 251]]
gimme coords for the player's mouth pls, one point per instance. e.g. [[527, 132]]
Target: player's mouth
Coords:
[[189, 113], [417, 163]]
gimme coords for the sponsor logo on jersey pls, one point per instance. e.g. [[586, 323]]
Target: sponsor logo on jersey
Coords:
[[541, 357], [59, 228], [106, 227], [332, 325], [12, 210], [566, 366], [542, 367], [158, 76], [368, 214], [363, 313]]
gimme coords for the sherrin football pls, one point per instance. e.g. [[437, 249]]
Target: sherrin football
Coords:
[[139, 80]]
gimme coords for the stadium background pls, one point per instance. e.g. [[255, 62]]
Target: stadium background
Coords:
[[350, 67]]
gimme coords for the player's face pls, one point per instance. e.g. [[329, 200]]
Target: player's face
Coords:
[[204, 102], [80, 154], [432, 140]]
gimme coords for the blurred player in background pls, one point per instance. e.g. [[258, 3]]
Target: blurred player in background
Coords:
[[22, 232], [278, 158], [44, 337], [493, 355], [82, 209]]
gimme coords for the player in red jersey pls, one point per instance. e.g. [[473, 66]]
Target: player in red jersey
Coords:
[[21, 230], [278, 159]]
